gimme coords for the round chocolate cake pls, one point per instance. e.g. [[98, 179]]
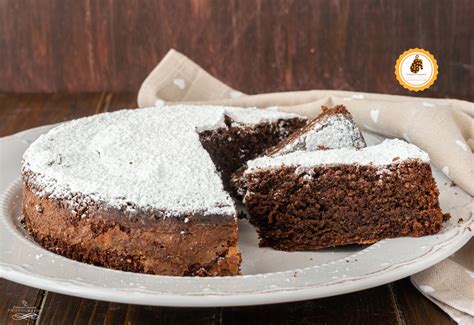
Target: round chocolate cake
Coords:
[[145, 190]]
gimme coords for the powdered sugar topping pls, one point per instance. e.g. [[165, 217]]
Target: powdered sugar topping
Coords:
[[386, 153], [151, 157], [336, 131]]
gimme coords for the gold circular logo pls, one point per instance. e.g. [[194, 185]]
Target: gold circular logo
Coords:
[[416, 69]]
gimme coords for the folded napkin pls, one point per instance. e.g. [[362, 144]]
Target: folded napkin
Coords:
[[442, 127], [450, 284]]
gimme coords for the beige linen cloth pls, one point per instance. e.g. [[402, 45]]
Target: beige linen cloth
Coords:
[[442, 127]]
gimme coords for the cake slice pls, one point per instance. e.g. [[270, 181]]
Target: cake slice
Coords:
[[311, 200], [334, 128]]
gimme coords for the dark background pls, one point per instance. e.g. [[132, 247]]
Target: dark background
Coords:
[[255, 46]]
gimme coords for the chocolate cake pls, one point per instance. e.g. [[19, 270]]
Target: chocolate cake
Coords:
[[141, 190], [310, 200]]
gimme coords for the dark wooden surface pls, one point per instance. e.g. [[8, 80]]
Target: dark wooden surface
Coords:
[[254, 45], [395, 303]]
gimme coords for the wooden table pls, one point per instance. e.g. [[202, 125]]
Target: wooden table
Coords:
[[395, 303]]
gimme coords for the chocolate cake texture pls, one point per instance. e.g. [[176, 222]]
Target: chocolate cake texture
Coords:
[[312, 200]]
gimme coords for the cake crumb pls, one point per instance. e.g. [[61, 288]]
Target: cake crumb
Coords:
[[452, 184], [460, 220]]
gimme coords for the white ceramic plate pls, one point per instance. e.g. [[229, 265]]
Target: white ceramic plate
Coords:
[[269, 276]]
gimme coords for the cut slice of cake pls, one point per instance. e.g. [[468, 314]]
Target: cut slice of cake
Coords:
[[311, 200], [334, 128], [141, 190]]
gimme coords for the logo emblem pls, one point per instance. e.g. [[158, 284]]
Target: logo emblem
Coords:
[[24, 312], [416, 69]]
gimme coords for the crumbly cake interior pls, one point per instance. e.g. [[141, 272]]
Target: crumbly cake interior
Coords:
[[230, 148], [312, 200]]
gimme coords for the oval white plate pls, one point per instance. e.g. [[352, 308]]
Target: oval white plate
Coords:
[[269, 276]]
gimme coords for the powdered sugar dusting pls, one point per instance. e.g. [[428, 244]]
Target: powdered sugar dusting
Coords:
[[386, 153], [254, 115], [151, 157], [214, 118], [334, 132]]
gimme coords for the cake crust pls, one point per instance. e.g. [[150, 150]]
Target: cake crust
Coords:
[[146, 243]]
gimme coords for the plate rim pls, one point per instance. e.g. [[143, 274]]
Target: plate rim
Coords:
[[246, 299]]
